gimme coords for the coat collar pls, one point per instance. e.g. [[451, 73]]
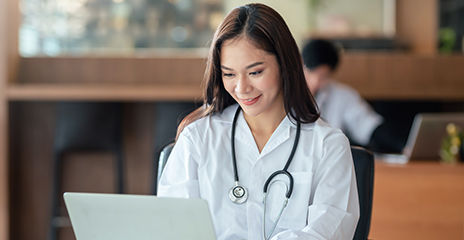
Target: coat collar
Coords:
[[228, 116], [244, 135]]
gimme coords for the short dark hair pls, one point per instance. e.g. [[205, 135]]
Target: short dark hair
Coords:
[[319, 52], [268, 31]]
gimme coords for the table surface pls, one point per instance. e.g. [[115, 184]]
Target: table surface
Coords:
[[418, 200]]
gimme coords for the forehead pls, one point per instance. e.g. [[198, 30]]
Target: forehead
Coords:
[[242, 51]]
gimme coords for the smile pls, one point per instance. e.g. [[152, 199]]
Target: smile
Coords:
[[250, 101]]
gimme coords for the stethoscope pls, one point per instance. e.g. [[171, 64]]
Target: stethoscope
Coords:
[[239, 194]]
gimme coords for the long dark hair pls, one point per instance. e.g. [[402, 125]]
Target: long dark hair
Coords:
[[268, 31]]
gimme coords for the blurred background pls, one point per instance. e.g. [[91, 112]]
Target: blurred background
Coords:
[[91, 90]]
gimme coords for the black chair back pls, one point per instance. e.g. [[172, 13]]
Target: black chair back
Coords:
[[168, 115], [364, 168], [163, 159]]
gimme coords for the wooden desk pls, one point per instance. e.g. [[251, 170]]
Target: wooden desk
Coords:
[[419, 200]]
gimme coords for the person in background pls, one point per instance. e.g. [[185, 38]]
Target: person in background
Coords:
[[340, 105]]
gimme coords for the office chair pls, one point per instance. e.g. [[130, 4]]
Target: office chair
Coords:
[[84, 126], [364, 169], [167, 117], [163, 159]]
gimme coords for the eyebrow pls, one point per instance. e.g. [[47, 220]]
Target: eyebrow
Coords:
[[249, 66]]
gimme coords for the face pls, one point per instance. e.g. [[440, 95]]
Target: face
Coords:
[[251, 76], [318, 77]]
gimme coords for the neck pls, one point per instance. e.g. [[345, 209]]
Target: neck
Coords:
[[265, 123]]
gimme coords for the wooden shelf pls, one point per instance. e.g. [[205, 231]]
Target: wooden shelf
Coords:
[[102, 92], [375, 75]]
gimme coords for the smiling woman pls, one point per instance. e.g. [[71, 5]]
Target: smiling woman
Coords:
[[255, 85], [258, 110], [268, 38]]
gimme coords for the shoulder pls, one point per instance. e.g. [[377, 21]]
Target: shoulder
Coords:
[[341, 100], [343, 90], [323, 137], [321, 128], [212, 123]]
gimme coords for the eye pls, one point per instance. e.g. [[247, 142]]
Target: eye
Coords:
[[228, 75], [256, 73]]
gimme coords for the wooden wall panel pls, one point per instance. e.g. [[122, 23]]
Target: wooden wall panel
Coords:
[[380, 73], [415, 74], [12, 20], [112, 70], [4, 162], [375, 75], [9, 19], [450, 71], [354, 69], [404, 76], [417, 24]]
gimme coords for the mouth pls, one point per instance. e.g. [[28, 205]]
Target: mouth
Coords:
[[250, 101]]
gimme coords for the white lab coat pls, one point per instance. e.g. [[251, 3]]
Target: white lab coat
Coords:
[[342, 107], [324, 204]]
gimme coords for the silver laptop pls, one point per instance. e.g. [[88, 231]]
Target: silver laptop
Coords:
[[122, 217], [425, 137]]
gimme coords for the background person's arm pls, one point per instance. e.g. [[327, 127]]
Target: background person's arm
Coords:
[[359, 119], [386, 139]]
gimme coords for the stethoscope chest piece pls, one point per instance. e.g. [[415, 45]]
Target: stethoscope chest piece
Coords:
[[238, 194]]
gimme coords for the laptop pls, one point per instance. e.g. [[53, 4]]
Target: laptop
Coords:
[[139, 217], [425, 137]]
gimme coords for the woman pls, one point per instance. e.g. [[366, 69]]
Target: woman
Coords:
[[258, 118]]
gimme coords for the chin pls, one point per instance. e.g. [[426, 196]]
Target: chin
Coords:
[[252, 111]]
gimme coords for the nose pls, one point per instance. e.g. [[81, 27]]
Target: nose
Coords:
[[243, 85]]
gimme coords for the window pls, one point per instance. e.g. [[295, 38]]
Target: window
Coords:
[[105, 27]]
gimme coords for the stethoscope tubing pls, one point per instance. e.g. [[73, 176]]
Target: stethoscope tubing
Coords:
[[234, 160], [273, 175], [243, 193]]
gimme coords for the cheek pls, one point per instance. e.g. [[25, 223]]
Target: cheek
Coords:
[[229, 86], [267, 82], [323, 82], [270, 83], [313, 77], [314, 81], [307, 77]]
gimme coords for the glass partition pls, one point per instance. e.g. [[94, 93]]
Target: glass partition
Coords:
[[125, 27], [56, 27]]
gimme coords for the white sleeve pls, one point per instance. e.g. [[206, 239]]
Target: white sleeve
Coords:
[[360, 120], [334, 210], [180, 175]]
